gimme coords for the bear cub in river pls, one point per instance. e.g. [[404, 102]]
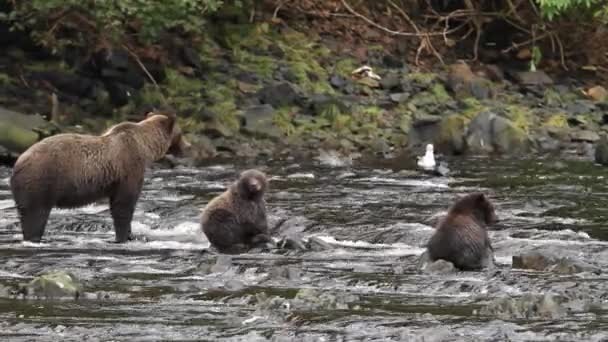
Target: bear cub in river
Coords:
[[72, 170], [236, 220], [461, 237]]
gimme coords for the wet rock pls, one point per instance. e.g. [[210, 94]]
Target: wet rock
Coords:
[[280, 95], [55, 284], [311, 299], [580, 107], [584, 136], [216, 129], [425, 120], [337, 81], [548, 261], [292, 242], [202, 148], [259, 121], [19, 131], [393, 62], [436, 267], [319, 104], [452, 131], [391, 81], [531, 78], [601, 151], [489, 132], [526, 307], [399, 97], [480, 89]]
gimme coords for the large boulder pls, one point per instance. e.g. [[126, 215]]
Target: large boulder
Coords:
[[259, 121], [52, 285], [19, 131], [489, 133]]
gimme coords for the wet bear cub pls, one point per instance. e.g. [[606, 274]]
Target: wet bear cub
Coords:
[[461, 237], [72, 170], [236, 221]]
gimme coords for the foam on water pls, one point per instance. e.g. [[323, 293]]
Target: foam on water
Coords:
[[435, 183], [6, 204], [301, 175]]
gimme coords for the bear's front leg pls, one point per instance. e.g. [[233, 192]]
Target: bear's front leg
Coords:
[[122, 206]]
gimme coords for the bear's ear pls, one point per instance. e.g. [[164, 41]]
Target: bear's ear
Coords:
[[171, 119], [481, 197]]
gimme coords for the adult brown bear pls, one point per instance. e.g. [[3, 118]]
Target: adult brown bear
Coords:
[[71, 170], [461, 237], [236, 220]]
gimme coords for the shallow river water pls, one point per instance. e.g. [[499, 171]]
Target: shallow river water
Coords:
[[164, 287]]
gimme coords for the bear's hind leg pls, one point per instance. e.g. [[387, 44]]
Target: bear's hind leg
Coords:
[[33, 223], [122, 206]]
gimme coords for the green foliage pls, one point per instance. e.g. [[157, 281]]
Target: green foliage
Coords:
[[108, 21], [554, 8]]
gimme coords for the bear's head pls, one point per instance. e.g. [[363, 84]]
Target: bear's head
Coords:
[[178, 145]]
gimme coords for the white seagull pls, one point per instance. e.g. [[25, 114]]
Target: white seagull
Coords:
[[428, 161]]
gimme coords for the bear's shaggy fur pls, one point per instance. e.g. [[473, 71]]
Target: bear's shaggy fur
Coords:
[[72, 170]]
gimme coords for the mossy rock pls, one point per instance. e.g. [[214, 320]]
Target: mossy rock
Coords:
[[556, 123], [452, 133], [20, 131], [521, 116], [54, 284]]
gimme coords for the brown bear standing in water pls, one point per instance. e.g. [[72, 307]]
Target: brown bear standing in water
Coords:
[[236, 220], [461, 237], [72, 170]]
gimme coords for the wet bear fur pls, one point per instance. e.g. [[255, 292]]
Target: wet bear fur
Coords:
[[236, 221], [71, 170], [461, 237]]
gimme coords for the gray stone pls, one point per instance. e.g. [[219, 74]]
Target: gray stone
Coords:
[[541, 260], [391, 81], [532, 77], [480, 89], [259, 121], [215, 129], [337, 81], [601, 151], [399, 97], [425, 119], [584, 136], [489, 132], [280, 95]]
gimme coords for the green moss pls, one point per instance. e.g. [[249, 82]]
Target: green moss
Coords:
[[559, 120], [283, 119], [5, 79], [441, 95], [472, 107], [16, 138], [552, 97], [344, 67], [262, 66], [521, 116], [422, 78], [452, 130]]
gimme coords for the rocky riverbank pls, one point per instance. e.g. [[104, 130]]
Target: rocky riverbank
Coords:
[[255, 88]]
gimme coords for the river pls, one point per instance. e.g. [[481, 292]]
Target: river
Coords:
[[165, 287]]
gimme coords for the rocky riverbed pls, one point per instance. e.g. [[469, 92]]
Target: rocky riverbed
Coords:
[[358, 281]]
